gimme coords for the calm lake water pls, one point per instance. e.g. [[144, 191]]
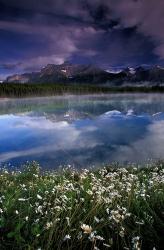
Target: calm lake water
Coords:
[[82, 130]]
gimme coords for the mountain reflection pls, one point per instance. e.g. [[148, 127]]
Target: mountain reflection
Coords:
[[82, 136]]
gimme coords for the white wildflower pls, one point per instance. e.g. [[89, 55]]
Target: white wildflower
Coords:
[[26, 218], [48, 225], [39, 197], [21, 199], [87, 229], [67, 237]]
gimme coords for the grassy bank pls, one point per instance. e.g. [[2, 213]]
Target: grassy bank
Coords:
[[27, 90], [100, 209]]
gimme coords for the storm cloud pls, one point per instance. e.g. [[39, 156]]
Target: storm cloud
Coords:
[[109, 33]]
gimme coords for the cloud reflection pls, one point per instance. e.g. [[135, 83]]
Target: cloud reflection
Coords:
[[113, 136]]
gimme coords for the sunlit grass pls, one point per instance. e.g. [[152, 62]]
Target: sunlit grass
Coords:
[[109, 208]]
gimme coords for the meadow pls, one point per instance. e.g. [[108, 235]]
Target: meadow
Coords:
[[108, 208]]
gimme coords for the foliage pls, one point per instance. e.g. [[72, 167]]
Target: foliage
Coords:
[[107, 208]]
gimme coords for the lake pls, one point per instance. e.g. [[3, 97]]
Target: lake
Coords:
[[83, 131]]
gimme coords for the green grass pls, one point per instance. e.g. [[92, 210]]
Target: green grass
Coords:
[[109, 208], [28, 90]]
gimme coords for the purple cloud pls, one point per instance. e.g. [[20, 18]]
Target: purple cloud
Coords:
[[105, 32]]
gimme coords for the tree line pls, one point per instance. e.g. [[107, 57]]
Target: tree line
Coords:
[[27, 90]]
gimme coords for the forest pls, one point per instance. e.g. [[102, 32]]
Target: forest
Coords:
[[27, 90]]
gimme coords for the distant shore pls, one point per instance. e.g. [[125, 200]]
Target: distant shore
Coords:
[[17, 90]]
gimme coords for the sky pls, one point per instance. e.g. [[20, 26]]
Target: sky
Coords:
[[107, 33]]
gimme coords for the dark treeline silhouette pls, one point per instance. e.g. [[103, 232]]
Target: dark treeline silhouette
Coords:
[[26, 90]]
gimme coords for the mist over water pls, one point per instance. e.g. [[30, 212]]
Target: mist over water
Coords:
[[82, 130]]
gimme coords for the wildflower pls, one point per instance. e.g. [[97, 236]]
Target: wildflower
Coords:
[[57, 219], [21, 199], [135, 241], [67, 237], [35, 175], [39, 210], [26, 218], [107, 210], [87, 229], [48, 225], [39, 197], [1, 211], [58, 208], [16, 211]]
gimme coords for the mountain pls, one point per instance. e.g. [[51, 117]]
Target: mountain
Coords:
[[23, 78], [68, 73], [73, 73], [153, 74]]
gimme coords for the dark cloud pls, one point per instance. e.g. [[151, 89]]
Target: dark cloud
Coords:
[[147, 16], [104, 32]]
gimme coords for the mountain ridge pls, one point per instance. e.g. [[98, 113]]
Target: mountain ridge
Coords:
[[75, 73]]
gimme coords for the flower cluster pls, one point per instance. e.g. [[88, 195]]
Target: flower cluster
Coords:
[[90, 209]]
